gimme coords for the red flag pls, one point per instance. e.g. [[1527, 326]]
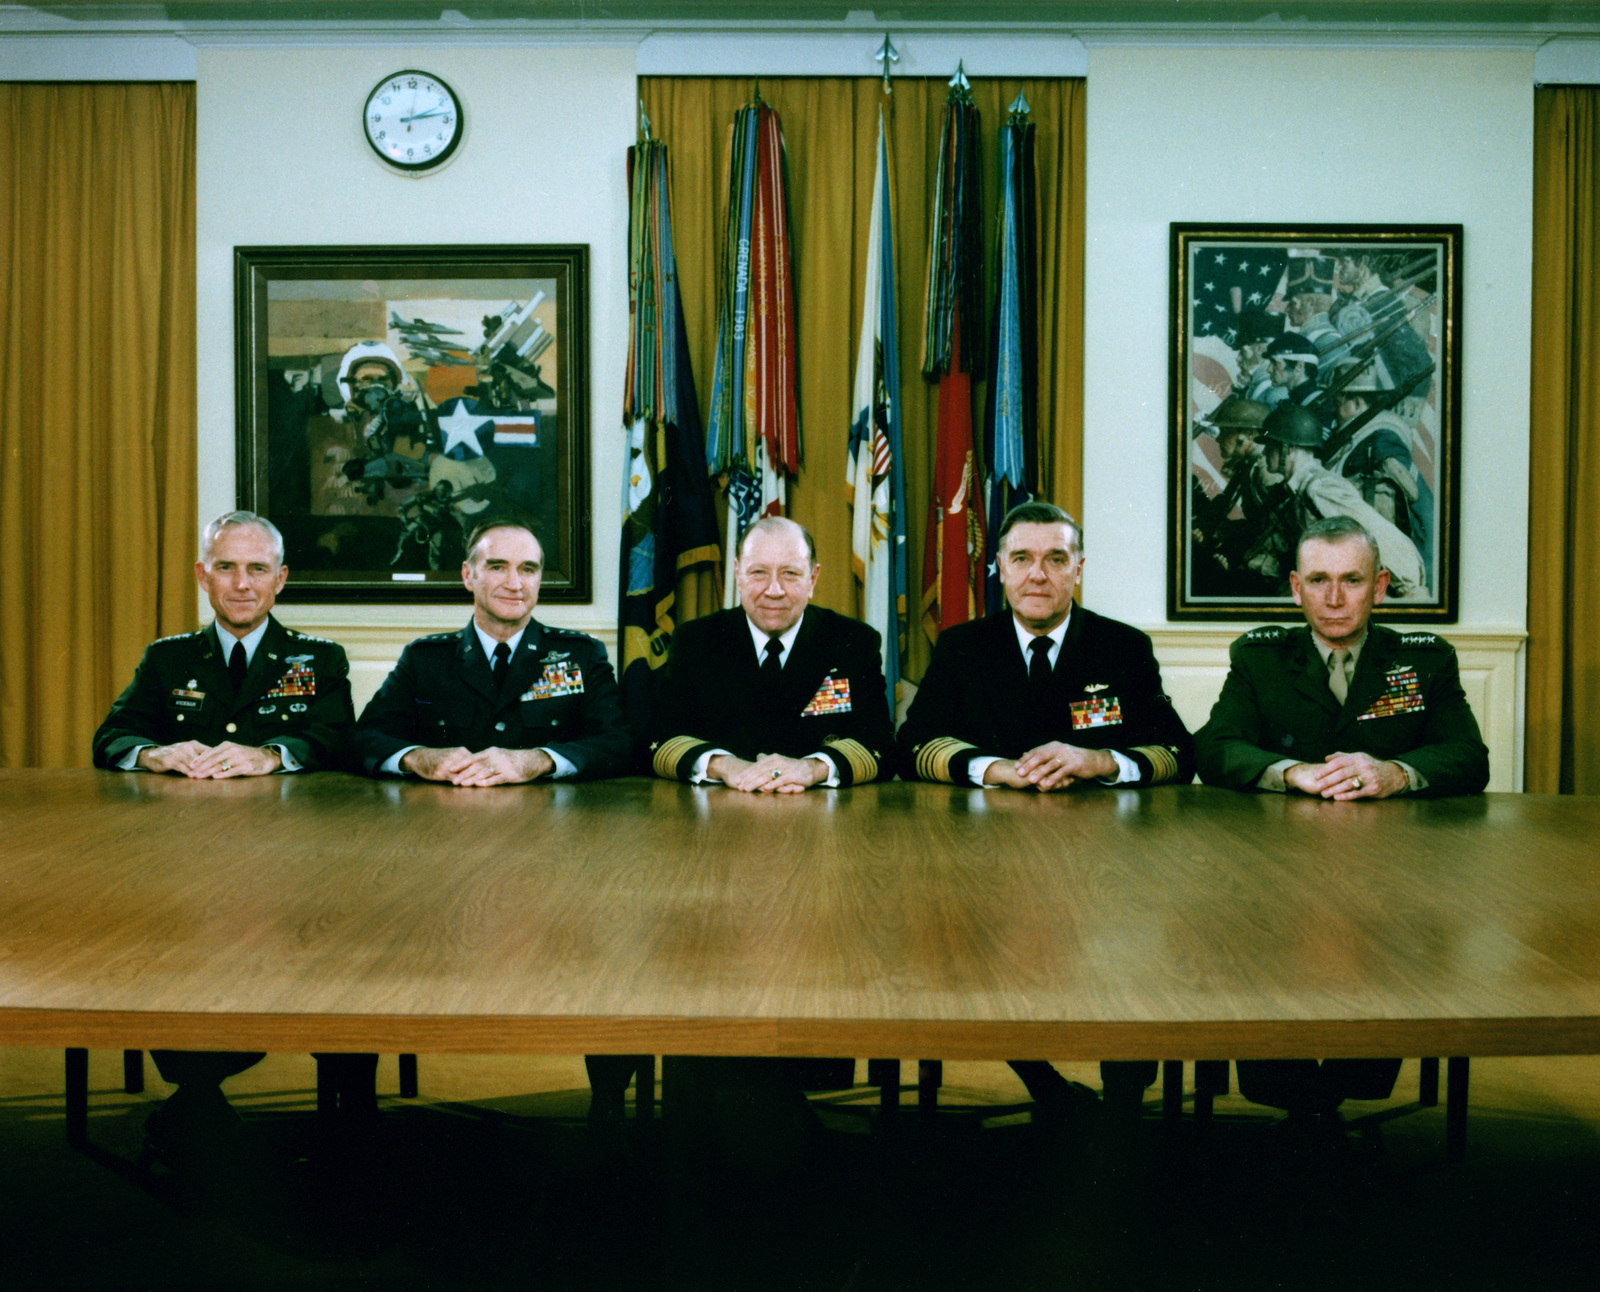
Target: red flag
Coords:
[[952, 553]]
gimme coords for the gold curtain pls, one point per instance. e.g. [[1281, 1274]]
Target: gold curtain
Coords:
[[1563, 705], [830, 128], [97, 400]]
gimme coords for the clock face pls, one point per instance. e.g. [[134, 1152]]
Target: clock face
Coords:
[[413, 120]]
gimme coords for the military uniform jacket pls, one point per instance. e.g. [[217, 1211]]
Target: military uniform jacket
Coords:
[[1405, 702], [1104, 693], [831, 699], [296, 694], [560, 694]]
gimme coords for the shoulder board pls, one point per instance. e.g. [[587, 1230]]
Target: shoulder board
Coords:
[[1264, 634], [178, 637], [435, 637], [568, 632], [307, 637], [1424, 639]]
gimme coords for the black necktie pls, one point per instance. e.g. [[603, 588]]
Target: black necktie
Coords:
[[236, 667], [1039, 665], [772, 665], [502, 665]]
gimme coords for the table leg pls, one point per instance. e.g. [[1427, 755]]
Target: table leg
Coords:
[[930, 1076], [1455, 1110], [408, 1076], [644, 1090]]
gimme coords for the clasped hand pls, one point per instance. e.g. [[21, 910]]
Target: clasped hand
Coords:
[[1052, 766], [210, 762], [769, 774], [492, 766], [1347, 776]]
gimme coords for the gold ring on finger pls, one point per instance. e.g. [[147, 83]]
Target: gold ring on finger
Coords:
[[1355, 782]]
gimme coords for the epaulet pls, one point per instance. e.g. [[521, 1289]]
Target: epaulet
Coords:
[[435, 637], [567, 632], [1430, 641], [1263, 635], [307, 637], [176, 637]]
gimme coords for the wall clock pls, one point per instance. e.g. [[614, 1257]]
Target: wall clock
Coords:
[[413, 120]]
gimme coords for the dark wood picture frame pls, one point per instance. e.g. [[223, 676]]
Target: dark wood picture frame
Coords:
[[1363, 323], [389, 398]]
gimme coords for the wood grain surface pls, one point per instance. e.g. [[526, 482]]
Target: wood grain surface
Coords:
[[331, 912]]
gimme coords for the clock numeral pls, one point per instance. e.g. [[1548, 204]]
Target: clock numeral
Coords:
[[410, 152], [382, 134], [427, 150], [376, 118], [385, 100], [411, 84], [395, 86]]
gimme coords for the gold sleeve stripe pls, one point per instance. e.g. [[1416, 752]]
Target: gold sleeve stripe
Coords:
[[934, 757], [1163, 763], [669, 753], [863, 766]]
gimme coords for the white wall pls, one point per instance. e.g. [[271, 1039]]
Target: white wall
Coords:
[[281, 160], [1312, 135]]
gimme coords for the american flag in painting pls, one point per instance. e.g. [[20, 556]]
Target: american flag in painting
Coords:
[[1229, 280]]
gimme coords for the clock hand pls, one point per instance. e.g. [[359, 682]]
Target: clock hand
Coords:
[[431, 112]]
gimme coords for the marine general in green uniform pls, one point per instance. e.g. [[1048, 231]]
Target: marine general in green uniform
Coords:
[[1342, 709]]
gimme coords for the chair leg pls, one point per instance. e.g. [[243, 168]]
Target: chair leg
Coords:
[[644, 1089], [1455, 1110], [1210, 1080], [1428, 1083], [930, 1076], [77, 1092], [408, 1076], [885, 1074], [133, 1071], [1172, 1091]]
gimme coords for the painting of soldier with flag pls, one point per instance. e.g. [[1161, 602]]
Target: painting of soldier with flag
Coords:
[[1315, 372], [390, 399]]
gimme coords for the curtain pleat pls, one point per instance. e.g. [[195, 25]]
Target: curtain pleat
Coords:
[[1563, 696], [830, 130], [97, 400]]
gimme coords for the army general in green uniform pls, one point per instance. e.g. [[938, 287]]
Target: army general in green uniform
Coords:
[[1342, 709]]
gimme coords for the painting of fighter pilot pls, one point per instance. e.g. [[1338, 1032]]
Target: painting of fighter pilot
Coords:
[[1315, 372], [391, 398]]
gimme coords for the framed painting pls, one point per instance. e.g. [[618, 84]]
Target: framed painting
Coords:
[[391, 398], [1315, 371]]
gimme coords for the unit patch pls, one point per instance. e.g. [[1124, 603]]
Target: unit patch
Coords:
[[1402, 693], [1102, 711], [833, 696]]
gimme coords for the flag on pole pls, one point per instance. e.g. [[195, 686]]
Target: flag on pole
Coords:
[[668, 521], [753, 442], [874, 473], [1011, 410], [953, 352]]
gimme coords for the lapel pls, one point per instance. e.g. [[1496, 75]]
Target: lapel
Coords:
[[265, 668], [1368, 682], [1011, 667], [472, 664], [210, 669], [1067, 675], [1309, 675], [799, 678], [526, 664]]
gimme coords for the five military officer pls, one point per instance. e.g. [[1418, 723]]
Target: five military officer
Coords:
[[778, 696]]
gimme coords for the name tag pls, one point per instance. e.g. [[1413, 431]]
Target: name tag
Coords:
[[191, 700], [1102, 711], [833, 696], [560, 677], [1402, 693]]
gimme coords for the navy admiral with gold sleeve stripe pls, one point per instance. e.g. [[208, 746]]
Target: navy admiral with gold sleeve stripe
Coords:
[[1104, 693], [830, 700]]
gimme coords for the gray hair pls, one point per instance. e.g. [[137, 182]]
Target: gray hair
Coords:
[[1039, 512], [227, 520], [1335, 529]]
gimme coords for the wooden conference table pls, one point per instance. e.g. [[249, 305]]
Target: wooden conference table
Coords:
[[328, 912]]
